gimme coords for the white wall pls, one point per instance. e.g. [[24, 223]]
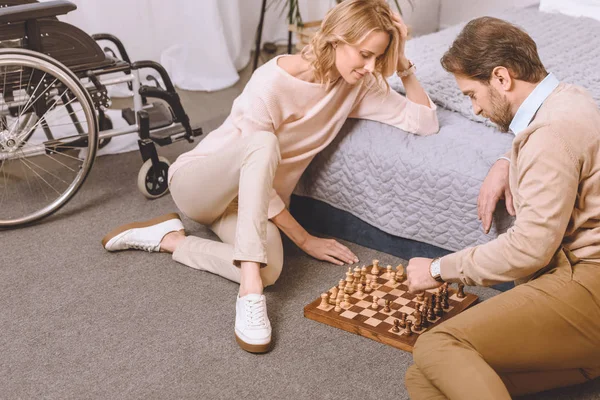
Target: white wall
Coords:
[[455, 11]]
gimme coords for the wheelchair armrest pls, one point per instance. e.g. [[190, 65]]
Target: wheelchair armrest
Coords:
[[25, 12]]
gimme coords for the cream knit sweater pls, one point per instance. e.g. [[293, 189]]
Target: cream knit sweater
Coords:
[[306, 117]]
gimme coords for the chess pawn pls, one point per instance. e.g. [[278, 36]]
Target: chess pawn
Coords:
[[346, 301], [402, 320], [359, 289], [431, 313], [407, 329], [363, 274], [337, 308], [399, 277], [375, 305], [389, 271], [396, 327], [368, 287], [392, 276], [324, 300], [357, 276], [420, 296], [375, 269], [387, 306], [445, 304], [461, 291]]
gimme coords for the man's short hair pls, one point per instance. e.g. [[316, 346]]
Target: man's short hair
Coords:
[[486, 43]]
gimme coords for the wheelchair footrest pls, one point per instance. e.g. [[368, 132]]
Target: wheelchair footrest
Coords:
[[160, 115]]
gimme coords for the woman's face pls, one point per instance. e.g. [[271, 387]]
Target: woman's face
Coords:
[[353, 62]]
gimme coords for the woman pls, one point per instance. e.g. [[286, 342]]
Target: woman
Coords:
[[239, 179]]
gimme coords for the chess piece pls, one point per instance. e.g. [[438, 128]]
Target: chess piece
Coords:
[[346, 301], [333, 295], [399, 271], [461, 291], [388, 271], [357, 275], [402, 319], [399, 277], [396, 327], [337, 308], [418, 318], [340, 296], [342, 285], [445, 303], [375, 306], [393, 276], [439, 311], [375, 269], [359, 289], [387, 306], [431, 313], [420, 296], [324, 300], [368, 287], [407, 328], [363, 274]]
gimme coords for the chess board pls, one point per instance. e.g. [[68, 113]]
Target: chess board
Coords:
[[360, 318]]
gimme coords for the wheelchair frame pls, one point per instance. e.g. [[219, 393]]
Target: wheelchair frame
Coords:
[[31, 29]]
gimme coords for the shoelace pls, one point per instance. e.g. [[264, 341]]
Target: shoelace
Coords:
[[255, 313], [142, 246]]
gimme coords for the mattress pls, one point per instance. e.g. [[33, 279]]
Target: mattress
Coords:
[[423, 188]]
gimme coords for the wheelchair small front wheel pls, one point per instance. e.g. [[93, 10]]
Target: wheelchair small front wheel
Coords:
[[154, 183]]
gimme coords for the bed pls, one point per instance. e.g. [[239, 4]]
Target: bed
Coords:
[[417, 196]]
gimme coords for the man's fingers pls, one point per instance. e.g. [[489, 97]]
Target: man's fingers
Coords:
[[508, 199]]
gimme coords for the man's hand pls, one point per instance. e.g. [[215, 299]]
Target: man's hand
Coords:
[[494, 187], [328, 250], [418, 277]]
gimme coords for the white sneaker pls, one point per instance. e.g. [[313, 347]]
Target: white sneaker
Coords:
[[252, 326], [142, 235]]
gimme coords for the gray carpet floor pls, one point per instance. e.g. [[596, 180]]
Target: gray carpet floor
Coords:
[[80, 323]]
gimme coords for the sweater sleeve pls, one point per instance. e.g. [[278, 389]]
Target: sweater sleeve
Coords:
[[259, 113], [547, 185], [390, 107]]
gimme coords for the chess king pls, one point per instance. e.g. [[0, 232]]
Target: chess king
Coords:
[[545, 332]]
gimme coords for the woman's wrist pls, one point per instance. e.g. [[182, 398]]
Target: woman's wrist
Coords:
[[403, 64]]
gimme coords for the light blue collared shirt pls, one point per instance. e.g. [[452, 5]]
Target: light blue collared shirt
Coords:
[[532, 103]]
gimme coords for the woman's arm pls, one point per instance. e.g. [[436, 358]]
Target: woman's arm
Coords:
[[322, 249], [414, 90]]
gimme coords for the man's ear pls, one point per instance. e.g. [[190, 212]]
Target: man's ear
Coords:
[[502, 77]]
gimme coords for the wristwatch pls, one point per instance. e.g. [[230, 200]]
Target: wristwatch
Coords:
[[435, 270], [408, 71]]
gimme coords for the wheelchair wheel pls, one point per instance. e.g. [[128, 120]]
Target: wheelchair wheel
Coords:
[[153, 184], [48, 136]]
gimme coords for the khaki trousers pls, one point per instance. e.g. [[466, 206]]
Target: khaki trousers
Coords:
[[229, 193], [538, 336]]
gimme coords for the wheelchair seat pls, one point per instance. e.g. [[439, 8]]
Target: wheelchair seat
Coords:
[[34, 26]]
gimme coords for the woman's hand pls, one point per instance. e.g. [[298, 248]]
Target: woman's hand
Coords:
[[328, 250], [403, 63]]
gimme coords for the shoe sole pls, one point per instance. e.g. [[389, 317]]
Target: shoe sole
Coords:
[[133, 225], [253, 348]]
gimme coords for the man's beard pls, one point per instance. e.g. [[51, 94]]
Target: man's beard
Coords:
[[501, 114]]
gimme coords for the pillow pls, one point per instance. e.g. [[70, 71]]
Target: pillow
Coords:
[[575, 8]]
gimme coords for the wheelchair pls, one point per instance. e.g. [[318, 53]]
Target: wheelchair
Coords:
[[53, 104]]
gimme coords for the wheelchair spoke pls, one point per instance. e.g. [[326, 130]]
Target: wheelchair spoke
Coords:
[[48, 136]]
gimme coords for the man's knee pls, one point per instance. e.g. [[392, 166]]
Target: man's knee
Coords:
[[429, 346]]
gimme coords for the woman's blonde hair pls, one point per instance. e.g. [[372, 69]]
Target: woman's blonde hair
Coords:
[[350, 22]]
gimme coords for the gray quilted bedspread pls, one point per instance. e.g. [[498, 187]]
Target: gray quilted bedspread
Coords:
[[426, 188]]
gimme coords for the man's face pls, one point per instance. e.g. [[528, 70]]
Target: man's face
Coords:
[[487, 101]]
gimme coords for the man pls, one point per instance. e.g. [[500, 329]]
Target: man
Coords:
[[544, 333]]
